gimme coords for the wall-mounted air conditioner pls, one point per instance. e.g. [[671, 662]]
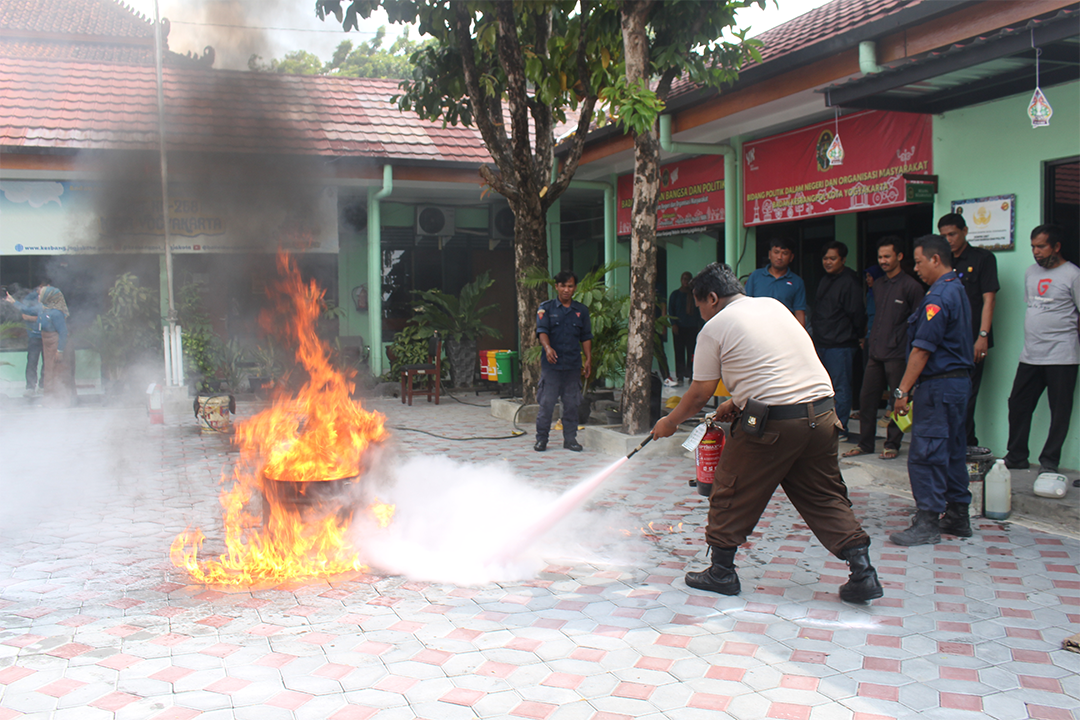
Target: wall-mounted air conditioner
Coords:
[[502, 222], [434, 220]]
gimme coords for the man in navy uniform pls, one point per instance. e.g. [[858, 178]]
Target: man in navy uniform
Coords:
[[565, 334], [940, 361]]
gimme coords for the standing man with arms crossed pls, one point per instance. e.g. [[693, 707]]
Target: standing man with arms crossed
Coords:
[[977, 270], [896, 296], [839, 318], [937, 379], [769, 367], [777, 281], [685, 323], [565, 333], [1051, 352]]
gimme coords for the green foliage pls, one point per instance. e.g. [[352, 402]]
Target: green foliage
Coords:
[[129, 332], [13, 334], [408, 348], [229, 358], [197, 335], [456, 318], [368, 60], [636, 104], [268, 361], [609, 311]]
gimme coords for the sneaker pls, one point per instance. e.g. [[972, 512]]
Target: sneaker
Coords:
[[29, 392], [670, 383], [1017, 464]]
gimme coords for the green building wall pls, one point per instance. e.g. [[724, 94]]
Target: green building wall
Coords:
[[989, 150]]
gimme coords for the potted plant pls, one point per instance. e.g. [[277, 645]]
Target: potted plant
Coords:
[[267, 369], [459, 320]]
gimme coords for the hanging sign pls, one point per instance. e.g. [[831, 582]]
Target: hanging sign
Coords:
[[991, 221], [691, 195], [790, 176]]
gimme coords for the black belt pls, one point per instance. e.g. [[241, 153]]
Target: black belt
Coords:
[[942, 376], [790, 412]]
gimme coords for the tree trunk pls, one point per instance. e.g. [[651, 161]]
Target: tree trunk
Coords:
[[639, 350], [530, 249]]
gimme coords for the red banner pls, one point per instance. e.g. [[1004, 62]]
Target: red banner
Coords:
[[691, 195], [789, 176]]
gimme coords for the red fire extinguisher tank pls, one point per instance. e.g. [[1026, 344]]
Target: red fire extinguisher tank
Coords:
[[707, 455]]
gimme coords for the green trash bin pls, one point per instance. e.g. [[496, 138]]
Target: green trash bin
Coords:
[[506, 364]]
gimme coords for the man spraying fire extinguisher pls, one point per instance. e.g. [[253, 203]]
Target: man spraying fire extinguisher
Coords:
[[784, 431]]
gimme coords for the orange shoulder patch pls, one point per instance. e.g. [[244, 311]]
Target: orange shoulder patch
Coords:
[[931, 311]]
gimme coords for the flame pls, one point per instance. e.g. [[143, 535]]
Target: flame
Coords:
[[653, 531], [319, 435]]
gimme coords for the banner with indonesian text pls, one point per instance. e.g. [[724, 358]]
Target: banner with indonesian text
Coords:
[[691, 195], [789, 177]]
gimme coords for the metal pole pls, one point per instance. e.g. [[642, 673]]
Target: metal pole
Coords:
[[164, 180]]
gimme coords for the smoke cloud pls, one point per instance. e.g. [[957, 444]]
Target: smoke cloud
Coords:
[[451, 519]]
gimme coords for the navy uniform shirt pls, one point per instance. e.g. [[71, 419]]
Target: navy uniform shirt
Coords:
[[942, 327], [566, 328]]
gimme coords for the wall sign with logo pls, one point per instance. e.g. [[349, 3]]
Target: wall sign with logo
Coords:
[[691, 195], [789, 176], [991, 221]]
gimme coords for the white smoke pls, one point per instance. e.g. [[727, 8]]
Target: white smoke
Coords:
[[451, 520]]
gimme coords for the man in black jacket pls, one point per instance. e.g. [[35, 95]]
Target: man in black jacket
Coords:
[[837, 323]]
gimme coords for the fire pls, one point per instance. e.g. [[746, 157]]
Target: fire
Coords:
[[288, 454]]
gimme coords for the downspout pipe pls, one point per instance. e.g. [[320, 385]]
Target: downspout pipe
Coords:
[[731, 185], [609, 221], [868, 58], [374, 238]]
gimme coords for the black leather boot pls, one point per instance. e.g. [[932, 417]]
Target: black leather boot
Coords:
[[720, 577], [956, 520], [924, 530], [863, 584]]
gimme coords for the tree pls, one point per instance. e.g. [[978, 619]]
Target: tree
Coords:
[[662, 40], [531, 61], [369, 60]]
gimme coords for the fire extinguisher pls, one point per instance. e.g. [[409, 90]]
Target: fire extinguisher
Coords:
[[707, 455]]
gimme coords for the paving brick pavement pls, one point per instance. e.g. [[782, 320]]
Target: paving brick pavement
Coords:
[[96, 623]]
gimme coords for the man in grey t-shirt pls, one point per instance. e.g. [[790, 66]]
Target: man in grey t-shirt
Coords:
[[1051, 354]]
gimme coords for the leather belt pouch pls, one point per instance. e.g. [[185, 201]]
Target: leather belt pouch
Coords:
[[754, 417]]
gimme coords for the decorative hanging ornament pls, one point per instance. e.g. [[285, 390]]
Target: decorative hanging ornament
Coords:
[[835, 153], [1039, 109]]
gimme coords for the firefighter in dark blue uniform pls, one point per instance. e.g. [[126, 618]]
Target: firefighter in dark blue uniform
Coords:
[[938, 373], [565, 333]]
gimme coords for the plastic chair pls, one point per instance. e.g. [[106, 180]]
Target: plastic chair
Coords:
[[430, 372]]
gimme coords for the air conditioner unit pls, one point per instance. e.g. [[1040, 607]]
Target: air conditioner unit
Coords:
[[434, 220], [502, 222]]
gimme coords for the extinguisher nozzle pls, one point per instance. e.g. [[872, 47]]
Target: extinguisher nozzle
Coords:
[[643, 443]]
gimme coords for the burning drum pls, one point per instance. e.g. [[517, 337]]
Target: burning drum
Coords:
[[311, 500]]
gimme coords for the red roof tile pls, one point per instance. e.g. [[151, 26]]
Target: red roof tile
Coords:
[[75, 17], [72, 105]]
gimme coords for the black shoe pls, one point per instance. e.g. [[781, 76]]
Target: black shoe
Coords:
[[956, 520], [540, 445], [924, 530], [863, 584], [572, 446], [720, 577], [1047, 468], [1017, 464]]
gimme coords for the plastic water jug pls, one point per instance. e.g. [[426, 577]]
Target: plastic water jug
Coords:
[[998, 491], [1050, 485]]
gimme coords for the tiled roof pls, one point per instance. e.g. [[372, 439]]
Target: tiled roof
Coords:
[[71, 105], [86, 30], [75, 17], [821, 23]]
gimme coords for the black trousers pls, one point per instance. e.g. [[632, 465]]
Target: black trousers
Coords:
[[556, 385], [1060, 383], [33, 361], [878, 376], [684, 343], [976, 381]]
